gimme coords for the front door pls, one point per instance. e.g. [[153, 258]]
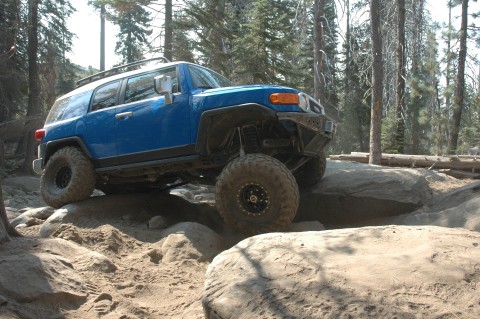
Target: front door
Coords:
[[145, 127]]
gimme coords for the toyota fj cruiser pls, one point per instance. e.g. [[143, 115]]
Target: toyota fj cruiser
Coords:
[[128, 130]]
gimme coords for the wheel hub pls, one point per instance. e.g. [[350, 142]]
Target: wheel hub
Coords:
[[253, 198], [63, 176]]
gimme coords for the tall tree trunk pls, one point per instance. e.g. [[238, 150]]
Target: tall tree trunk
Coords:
[[318, 82], [416, 58], [103, 13], [168, 45], [348, 107], [400, 89], [130, 57], [6, 230], [449, 57], [218, 59], [460, 88], [34, 107], [377, 84]]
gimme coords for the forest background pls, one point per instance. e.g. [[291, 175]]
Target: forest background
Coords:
[[396, 80]]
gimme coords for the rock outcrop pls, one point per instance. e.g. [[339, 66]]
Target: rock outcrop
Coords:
[[371, 272], [351, 194], [460, 208]]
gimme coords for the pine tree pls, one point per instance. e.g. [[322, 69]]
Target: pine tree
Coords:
[[213, 23], [377, 84], [182, 45], [400, 81], [460, 83], [355, 105], [260, 54], [34, 105], [13, 63], [133, 21], [55, 42]]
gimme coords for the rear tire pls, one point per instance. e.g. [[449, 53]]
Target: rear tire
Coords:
[[311, 172], [256, 194], [69, 176]]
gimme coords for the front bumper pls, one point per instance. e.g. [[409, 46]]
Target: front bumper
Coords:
[[315, 131]]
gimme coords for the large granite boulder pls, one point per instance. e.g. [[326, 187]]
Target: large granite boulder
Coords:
[[49, 274], [352, 193], [371, 272]]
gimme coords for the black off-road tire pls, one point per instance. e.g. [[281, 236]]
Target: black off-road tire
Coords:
[[257, 194], [69, 176], [311, 172]]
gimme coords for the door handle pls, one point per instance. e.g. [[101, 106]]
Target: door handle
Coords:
[[123, 115]]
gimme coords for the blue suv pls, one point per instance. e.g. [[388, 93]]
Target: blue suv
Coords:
[[127, 130]]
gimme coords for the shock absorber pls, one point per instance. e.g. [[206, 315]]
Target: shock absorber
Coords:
[[251, 139]]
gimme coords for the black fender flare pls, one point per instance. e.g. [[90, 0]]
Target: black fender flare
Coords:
[[53, 146], [217, 124]]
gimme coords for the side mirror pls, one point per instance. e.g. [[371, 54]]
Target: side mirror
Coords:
[[163, 85]]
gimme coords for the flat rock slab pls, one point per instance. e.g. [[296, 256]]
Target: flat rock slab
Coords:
[[371, 272], [458, 208], [465, 215], [353, 193]]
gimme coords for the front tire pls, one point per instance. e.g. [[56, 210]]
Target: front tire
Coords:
[[69, 176], [256, 194]]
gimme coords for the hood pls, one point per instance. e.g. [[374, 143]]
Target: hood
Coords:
[[237, 95]]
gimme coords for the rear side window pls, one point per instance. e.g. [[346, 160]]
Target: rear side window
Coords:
[[105, 96], [69, 107], [141, 87]]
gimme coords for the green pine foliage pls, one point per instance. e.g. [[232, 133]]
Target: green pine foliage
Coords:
[[269, 41], [132, 40], [261, 52]]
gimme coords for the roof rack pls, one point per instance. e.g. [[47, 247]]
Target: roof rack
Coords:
[[116, 70]]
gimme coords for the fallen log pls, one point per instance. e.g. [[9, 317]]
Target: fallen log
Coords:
[[460, 174], [454, 162]]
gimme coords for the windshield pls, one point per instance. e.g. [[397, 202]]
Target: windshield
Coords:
[[207, 79]]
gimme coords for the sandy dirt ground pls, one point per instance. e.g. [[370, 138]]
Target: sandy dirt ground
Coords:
[[140, 284]]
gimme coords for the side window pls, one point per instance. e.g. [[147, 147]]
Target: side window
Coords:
[[105, 96], [69, 107], [141, 87]]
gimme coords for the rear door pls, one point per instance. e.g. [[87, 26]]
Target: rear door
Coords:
[[145, 127], [100, 121]]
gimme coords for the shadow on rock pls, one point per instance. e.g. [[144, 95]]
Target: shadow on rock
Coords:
[[127, 212]]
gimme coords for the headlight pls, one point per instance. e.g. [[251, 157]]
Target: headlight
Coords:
[[309, 104], [303, 102]]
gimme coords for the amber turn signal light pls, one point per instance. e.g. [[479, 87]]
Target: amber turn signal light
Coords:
[[284, 98]]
